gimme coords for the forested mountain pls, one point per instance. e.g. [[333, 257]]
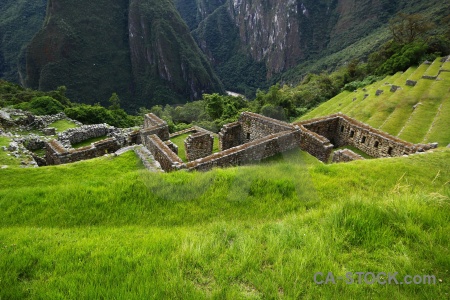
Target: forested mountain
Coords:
[[140, 49], [251, 41], [19, 22], [169, 51]]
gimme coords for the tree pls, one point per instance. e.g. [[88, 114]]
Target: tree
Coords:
[[214, 105], [407, 29], [115, 102]]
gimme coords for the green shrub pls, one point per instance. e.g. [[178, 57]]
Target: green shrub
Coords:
[[407, 56], [95, 114], [354, 85], [44, 105]]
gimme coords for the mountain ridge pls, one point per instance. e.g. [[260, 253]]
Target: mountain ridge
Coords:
[[283, 36], [140, 49]]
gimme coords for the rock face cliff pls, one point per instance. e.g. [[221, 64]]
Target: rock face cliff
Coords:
[[284, 32], [140, 49], [280, 34]]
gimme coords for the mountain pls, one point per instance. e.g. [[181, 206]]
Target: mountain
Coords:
[[19, 22], [195, 11], [142, 50], [245, 39]]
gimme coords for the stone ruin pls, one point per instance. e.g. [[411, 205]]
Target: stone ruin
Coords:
[[252, 138], [345, 155], [323, 134], [60, 151], [255, 137], [199, 145]]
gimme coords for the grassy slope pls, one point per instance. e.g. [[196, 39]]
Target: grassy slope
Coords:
[[116, 231], [393, 112]]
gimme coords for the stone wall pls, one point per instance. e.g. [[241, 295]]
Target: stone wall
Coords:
[[154, 125], [325, 127], [134, 137], [345, 155], [230, 136], [33, 142], [255, 126], [192, 129], [160, 130], [198, 145], [168, 160], [250, 127], [43, 121], [57, 154], [172, 146], [315, 144], [342, 130], [372, 141], [151, 120], [252, 151], [83, 133]]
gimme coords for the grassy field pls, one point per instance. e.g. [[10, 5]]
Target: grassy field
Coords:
[[62, 125], [416, 114], [106, 228]]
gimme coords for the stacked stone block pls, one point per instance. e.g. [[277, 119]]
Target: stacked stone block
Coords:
[[154, 125], [345, 155], [168, 160], [198, 145], [57, 154]]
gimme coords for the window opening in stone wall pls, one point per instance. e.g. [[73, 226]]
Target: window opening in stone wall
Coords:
[[376, 144], [342, 128], [390, 151], [352, 133], [363, 140], [248, 135]]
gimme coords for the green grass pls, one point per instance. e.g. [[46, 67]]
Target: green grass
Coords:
[[417, 75], [88, 142], [391, 100], [5, 159], [441, 120], [10, 160], [179, 141], [413, 96], [40, 152], [421, 119], [433, 69], [62, 125], [216, 144], [259, 232]]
